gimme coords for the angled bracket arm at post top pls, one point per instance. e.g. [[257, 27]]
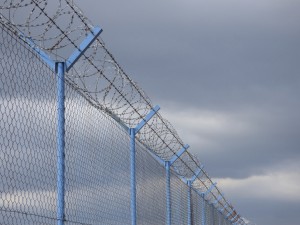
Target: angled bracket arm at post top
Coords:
[[189, 183], [41, 53], [83, 47], [197, 173], [217, 199], [178, 154], [230, 212], [146, 119], [73, 58], [156, 157], [225, 206], [209, 189], [234, 217], [227, 216]]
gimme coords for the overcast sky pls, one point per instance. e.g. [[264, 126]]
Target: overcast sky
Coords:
[[226, 74]]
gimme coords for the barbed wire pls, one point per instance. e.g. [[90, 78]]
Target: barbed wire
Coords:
[[58, 27]]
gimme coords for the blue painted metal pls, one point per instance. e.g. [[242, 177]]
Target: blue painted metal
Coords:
[[197, 173], [83, 47], [60, 142], [220, 218], [60, 68], [42, 54], [183, 179], [73, 58], [117, 119], [146, 119], [168, 191], [189, 183], [225, 206], [229, 213], [132, 133], [178, 154], [203, 211], [213, 215], [222, 210], [209, 189], [217, 199], [132, 176], [234, 218], [156, 157]]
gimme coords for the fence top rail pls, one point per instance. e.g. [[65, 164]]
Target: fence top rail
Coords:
[[58, 27]]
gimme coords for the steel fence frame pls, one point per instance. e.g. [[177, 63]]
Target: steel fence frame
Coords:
[[199, 201]]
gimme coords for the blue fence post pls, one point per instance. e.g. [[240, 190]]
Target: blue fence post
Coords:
[[132, 133], [60, 70], [168, 184], [132, 176], [203, 211], [168, 192], [189, 183], [213, 214], [233, 220]]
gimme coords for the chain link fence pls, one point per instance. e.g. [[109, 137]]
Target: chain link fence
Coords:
[[101, 104], [27, 135]]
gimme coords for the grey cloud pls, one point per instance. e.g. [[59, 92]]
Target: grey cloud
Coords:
[[211, 65], [223, 56], [239, 143], [262, 212], [220, 56]]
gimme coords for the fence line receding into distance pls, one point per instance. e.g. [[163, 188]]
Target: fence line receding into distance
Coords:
[[80, 142]]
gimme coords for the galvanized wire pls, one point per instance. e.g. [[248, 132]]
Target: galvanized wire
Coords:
[[58, 27], [97, 165], [27, 135], [197, 205], [151, 188], [179, 203]]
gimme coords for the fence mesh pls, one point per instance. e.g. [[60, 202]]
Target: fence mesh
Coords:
[[179, 203], [197, 205], [101, 100], [28, 135], [151, 186], [97, 165]]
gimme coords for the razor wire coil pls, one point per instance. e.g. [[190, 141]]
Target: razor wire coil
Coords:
[[58, 27]]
